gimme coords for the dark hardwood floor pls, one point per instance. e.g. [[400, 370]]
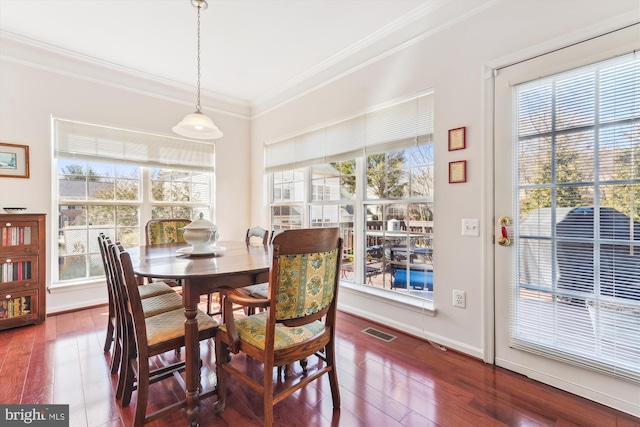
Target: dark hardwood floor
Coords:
[[407, 382]]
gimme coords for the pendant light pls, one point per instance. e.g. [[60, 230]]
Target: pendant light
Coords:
[[197, 125]]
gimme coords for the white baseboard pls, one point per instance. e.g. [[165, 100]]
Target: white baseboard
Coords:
[[408, 328], [628, 406]]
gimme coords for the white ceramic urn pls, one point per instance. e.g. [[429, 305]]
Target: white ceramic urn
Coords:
[[201, 234]]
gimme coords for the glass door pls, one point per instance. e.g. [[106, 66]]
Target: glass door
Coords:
[[567, 201]]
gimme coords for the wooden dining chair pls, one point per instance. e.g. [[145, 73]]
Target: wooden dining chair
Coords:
[[258, 232], [151, 336], [149, 291], [299, 320], [163, 230], [156, 301], [260, 290], [159, 231]]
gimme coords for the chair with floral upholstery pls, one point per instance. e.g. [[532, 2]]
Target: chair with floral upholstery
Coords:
[[299, 321], [159, 231], [165, 231]]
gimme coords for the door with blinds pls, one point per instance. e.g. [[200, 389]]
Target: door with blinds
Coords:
[[567, 208]]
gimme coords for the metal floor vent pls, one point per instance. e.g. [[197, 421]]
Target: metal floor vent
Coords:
[[379, 334]]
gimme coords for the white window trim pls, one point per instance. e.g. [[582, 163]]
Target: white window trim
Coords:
[[404, 301], [200, 157]]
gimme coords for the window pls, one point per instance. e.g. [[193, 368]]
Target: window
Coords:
[[577, 293], [399, 217], [371, 176], [98, 191]]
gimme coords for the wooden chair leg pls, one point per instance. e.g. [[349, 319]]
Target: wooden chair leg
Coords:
[[221, 359], [116, 358], [109, 338], [127, 386], [143, 393], [267, 393], [123, 372], [333, 375]]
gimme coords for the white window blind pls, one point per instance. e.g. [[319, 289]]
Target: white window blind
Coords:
[[577, 295], [402, 125], [345, 140], [99, 143]]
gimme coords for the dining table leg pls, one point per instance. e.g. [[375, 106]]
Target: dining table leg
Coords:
[[190, 301]]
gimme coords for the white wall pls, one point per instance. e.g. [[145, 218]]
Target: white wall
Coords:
[[453, 62], [30, 94]]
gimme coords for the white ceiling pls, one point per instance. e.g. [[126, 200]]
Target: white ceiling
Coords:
[[251, 49]]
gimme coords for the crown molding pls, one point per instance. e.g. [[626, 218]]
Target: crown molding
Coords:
[[421, 23], [608, 25], [371, 39], [25, 51]]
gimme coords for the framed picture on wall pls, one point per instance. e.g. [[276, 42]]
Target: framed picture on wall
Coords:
[[14, 160], [457, 172], [457, 139]]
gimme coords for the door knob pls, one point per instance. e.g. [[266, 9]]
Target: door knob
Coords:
[[504, 239]]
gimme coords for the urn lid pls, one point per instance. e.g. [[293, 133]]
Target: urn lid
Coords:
[[201, 224]]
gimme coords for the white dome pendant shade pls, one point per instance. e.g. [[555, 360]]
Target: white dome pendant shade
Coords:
[[196, 125]]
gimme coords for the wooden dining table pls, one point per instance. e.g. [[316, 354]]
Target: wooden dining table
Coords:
[[237, 266]]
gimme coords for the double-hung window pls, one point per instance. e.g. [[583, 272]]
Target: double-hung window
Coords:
[[371, 176], [113, 181]]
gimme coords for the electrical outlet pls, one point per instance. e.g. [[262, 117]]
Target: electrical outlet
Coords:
[[459, 298]]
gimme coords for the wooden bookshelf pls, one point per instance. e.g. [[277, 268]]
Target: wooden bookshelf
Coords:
[[22, 270]]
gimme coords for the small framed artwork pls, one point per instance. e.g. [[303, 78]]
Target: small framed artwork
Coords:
[[457, 172], [457, 139], [14, 160]]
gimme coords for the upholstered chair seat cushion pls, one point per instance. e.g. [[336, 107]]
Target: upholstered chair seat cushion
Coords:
[[260, 290], [154, 289], [161, 304], [252, 329], [170, 325]]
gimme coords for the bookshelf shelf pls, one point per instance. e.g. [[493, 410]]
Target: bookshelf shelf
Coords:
[[22, 270]]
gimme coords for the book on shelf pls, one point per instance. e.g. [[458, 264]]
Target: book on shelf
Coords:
[[18, 306], [15, 271], [15, 236]]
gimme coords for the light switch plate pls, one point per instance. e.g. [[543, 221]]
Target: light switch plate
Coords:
[[471, 227]]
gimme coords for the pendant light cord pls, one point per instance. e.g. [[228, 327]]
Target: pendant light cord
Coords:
[[197, 125]]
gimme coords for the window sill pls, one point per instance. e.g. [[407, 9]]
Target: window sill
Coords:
[[399, 300], [75, 286]]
